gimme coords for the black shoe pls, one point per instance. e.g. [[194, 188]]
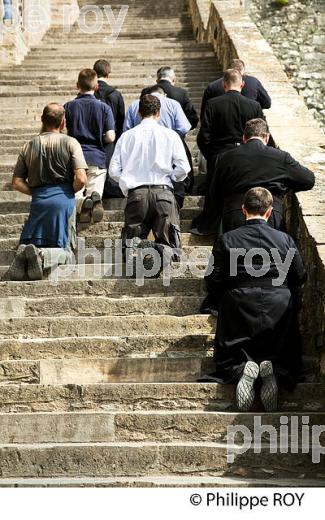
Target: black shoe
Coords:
[[208, 308], [98, 210], [34, 263], [245, 393], [134, 253], [17, 270], [269, 390], [85, 214]]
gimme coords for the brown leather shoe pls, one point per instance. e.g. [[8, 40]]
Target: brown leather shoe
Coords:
[[86, 210], [98, 210]]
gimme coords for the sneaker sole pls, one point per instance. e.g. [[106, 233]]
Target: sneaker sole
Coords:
[[245, 393]]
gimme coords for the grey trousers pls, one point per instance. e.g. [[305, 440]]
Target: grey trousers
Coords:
[[55, 256], [154, 208]]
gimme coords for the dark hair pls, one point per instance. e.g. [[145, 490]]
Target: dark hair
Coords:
[[149, 106], [53, 115], [257, 201], [87, 80], [232, 77], [238, 64], [256, 128], [102, 68]]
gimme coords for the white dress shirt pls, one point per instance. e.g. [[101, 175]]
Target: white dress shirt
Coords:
[[149, 154]]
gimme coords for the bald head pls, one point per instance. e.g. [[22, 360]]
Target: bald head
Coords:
[[53, 117], [233, 80]]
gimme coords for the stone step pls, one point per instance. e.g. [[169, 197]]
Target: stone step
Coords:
[[50, 327], [109, 370], [167, 481], [161, 426], [148, 459], [307, 397], [99, 306], [102, 347], [109, 288]]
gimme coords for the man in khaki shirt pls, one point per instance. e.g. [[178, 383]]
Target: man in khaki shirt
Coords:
[[51, 168]]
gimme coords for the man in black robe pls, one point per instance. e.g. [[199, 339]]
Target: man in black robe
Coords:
[[222, 129], [255, 279], [253, 88], [256, 164]]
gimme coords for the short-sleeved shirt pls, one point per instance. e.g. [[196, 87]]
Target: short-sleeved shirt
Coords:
[[88, 119], [50, 158]]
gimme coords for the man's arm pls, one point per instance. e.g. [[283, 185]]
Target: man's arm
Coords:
[[300, 178], [217, 276], [190, 111], [19, 184], [109, 125], [204, 136], [19, 179], [181, 124], [131, 118], [297, 274], [262, 96], [120, 116], [181, 165], [115, 167], [80, 180]]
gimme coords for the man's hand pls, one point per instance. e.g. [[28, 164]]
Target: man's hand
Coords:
[[80, 180], [110, 137], [21, 185]]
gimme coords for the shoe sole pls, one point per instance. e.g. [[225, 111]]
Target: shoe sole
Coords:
[[98, 214], [17, 270], [34, 269], [269, 390], [245, 393]]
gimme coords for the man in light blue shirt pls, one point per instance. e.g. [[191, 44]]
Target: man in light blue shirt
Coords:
[[172, 115]]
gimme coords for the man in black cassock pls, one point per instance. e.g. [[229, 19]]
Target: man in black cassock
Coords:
[[222, 129], [255, 280], [256, 164]]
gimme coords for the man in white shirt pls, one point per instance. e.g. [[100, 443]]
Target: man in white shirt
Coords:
[[146, 162]]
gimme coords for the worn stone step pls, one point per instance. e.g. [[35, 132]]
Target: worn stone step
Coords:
[[307, 397], [110, 370], [49, 327], [142, 426], [102, 347], [104, 288], [145, 459], [99, 306]]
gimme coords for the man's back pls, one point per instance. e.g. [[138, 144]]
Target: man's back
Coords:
[[255, 164], [88, 119], [253, 89], [224, 121], [232, 269], [114, 99], [171, 116], [181, 95], [50, 158]]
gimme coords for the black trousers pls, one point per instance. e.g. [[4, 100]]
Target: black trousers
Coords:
[[154, 208], [181, 189]]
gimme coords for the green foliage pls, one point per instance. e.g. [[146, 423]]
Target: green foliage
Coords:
[[281, 3]]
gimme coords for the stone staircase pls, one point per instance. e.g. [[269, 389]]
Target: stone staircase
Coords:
[[97, 375]]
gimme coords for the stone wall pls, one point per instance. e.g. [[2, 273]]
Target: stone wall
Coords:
[[233, 34], [30, 21], [297, 35]]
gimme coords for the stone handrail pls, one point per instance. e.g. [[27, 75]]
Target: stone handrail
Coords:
[[233, 35]]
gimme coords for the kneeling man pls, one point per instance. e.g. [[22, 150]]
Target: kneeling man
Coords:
[[146, 162], [51, 168], [255, 279]]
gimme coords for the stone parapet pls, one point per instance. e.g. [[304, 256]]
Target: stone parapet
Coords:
[[234, 35], [25, 23]]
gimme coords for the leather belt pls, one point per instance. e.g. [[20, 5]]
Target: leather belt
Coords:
[[152, 187]]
